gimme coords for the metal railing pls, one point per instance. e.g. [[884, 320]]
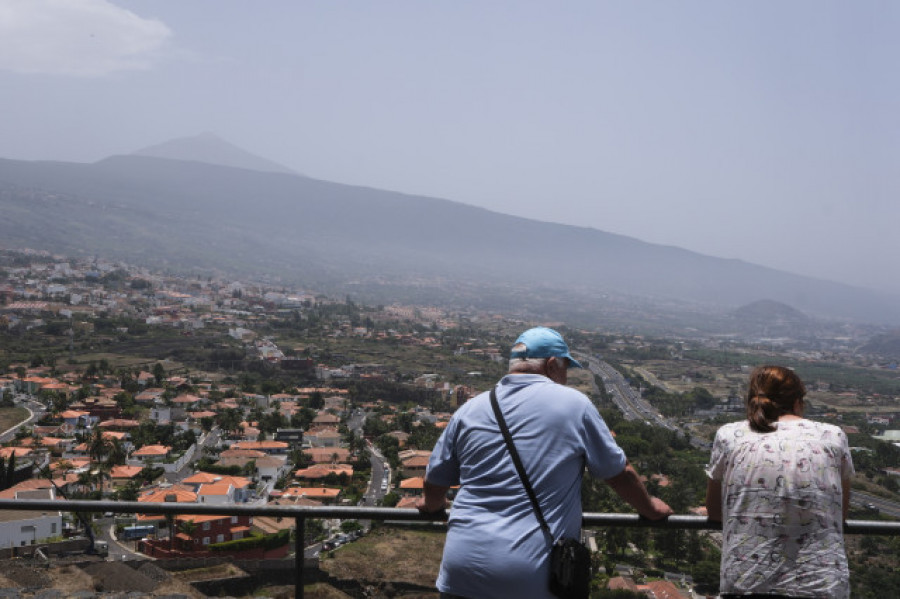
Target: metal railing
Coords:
[[301, 513]]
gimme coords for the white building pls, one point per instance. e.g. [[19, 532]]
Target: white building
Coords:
[[20, 528]]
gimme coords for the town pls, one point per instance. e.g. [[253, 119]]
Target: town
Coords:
[[127, 384]]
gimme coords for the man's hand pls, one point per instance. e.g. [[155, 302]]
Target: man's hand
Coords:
[[659, 509], [433, 500], [424, 508], [627, 484]]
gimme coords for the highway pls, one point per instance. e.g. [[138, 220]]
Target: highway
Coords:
[[626, 397]]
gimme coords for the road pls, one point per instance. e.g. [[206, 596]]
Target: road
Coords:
[[210, 439], [35, 411], [118, 550], [864, 500], [627, 398]]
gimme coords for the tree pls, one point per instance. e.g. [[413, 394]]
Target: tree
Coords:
[[116, 456], [129, 492], [8, 472], [188, 527], [706, 577], [98, 445], [230, 420], [159, 373]]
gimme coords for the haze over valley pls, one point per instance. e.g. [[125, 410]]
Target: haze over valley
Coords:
[[178, 206]]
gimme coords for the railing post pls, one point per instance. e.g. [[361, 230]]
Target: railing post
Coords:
[[299, 557]]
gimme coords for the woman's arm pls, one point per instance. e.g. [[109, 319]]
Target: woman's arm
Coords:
[[845, 497], [714, 499]]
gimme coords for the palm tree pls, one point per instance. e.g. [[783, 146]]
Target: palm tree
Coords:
[[116, 455], [103, 473], [98, 445]]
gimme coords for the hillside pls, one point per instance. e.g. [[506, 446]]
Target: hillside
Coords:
[[379, 245]]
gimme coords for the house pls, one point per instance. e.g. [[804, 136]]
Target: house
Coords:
[[320, 471], [324, 418], [291, 436], [119, 424], [20, 528], [168, 494], [24, 489], [625, 583], [401, 437], [267, 447], [323, 437], [273, 524], [145, 378], [149, 454], [216, 493], [78, 418], [196, 532], [412, 487], [207, 488], [663, 589], [119, 476], [325, 495], [19, 452], [187, 401], [269, 468], [239, 457], [413, 463], [149, 396], [327, 455], [99, 408], [161, 413], [335, 403]]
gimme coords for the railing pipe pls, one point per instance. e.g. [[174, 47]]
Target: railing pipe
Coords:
[[300, 513]]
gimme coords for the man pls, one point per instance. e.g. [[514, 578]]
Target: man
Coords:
[[495, 546]]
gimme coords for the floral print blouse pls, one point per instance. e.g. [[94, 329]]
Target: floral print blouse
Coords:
[[782, 522]]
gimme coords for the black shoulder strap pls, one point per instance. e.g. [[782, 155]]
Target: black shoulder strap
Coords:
[[518, 463]]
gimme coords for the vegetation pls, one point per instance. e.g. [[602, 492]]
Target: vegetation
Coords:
[[266, 542]]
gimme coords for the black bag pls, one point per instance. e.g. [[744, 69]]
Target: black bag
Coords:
[[570, 561], [570, 569]]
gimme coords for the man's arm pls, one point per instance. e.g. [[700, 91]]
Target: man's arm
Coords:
[[434, 498], [714, 499], [629, 487]]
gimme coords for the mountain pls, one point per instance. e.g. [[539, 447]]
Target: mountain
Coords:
[[769, 311], [384, 246], [212, 149]]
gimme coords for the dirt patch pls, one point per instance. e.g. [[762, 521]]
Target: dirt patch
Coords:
[[389, 556], [24, 575], [211, 573], [72, 579], [116, 576]]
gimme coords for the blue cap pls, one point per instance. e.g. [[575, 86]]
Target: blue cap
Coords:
[[541, 342]]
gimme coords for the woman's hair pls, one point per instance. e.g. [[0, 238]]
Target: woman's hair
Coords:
[[773, 391]]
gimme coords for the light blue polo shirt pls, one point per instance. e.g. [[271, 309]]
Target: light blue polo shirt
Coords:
[[495, 546]]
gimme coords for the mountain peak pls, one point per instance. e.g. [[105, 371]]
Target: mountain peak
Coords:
[[209, 148], [767, 310]]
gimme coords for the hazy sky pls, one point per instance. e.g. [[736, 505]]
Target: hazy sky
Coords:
[[767, 131]]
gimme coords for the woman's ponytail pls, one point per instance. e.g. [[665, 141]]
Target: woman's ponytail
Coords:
[[773, 391]]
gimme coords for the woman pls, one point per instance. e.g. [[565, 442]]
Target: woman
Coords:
[[780, 485]]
